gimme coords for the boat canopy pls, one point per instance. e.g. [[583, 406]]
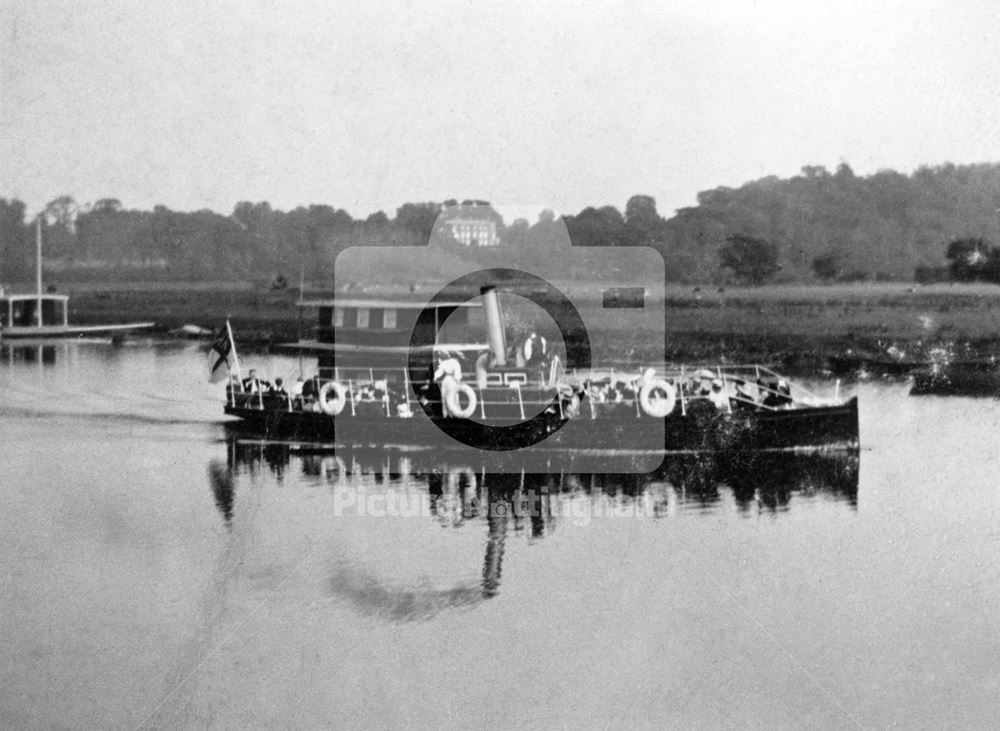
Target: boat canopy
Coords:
[[33, 310]]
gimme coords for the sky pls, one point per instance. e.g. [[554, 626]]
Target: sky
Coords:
[[201, 104]]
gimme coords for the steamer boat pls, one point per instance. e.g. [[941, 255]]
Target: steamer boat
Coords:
[[381, 381]]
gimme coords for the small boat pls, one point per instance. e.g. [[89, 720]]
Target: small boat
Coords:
[[42, 315], [508, 405], [959, 378], [854, 364]]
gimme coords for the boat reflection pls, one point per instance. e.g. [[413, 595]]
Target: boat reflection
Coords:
[[40, 353], [507, 502]]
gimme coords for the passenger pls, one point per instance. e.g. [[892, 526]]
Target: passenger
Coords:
[[778, 394], [310, 394], [702, 382], [278, 389], [617, 394], [296, 394], [570, 399], [252, 384], [534, 350], [597, 391], [718, 396], [747, 396], [449, 372]]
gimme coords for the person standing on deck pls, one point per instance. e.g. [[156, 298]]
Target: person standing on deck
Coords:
[[534, 350], [296, 393], [252, 384], [718, 396], [449, 371]]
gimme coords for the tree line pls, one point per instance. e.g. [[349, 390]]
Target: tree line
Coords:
[[815, 226]]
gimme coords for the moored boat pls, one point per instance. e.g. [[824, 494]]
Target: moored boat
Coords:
[[958, 378], [43, 315]]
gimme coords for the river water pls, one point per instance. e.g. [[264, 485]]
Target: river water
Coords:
[[162, 571]]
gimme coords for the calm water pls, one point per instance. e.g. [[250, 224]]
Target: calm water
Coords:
[[161, 572]]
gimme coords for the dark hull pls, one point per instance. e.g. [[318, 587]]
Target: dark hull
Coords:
[[966, 379], [822, 427], [850, 365]]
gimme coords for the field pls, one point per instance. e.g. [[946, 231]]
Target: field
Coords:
[[794, 326]]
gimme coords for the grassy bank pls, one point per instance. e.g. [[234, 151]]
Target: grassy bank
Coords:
[[793, 326]]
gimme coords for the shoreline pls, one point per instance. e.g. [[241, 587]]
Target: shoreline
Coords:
[[794, 327]]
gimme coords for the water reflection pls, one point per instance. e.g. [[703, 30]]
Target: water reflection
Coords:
[[40, 353], [506, 502], [221, 480]]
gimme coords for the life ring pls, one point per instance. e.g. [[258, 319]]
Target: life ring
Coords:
[[454, 403], [336, 405], [661, 405]]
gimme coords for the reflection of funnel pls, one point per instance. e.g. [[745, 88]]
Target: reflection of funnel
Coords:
[[494, 325], [373, 596]]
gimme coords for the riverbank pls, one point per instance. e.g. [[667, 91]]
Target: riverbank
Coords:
[[796, 327]]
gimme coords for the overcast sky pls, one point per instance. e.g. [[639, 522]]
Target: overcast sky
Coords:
[[203, 104]]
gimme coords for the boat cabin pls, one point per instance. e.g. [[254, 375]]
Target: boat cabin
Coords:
[[378, 332], [33, 311], [383, 322]]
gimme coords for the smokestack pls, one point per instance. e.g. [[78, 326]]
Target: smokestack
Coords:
[[494, 325]]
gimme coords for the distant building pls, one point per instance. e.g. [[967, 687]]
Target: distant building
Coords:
[[474, 231]]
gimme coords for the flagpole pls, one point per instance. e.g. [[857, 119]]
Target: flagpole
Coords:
[[302, 296]]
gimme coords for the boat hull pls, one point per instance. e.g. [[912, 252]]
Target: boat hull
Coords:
[[849, 365], [804, 428], [46, 332], [959, 379]]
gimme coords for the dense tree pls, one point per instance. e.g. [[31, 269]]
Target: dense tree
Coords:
[[885, 225], [827, 266], [751, 260], [643, 225], [14, 237], [969, 259], [596, 227], [417, 220], [377, 219]]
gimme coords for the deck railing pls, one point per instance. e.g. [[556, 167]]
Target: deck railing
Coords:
[[510, 393]]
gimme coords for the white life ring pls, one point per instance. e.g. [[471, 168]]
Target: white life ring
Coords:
[[661, 405], [454, 403], [336, 405]]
